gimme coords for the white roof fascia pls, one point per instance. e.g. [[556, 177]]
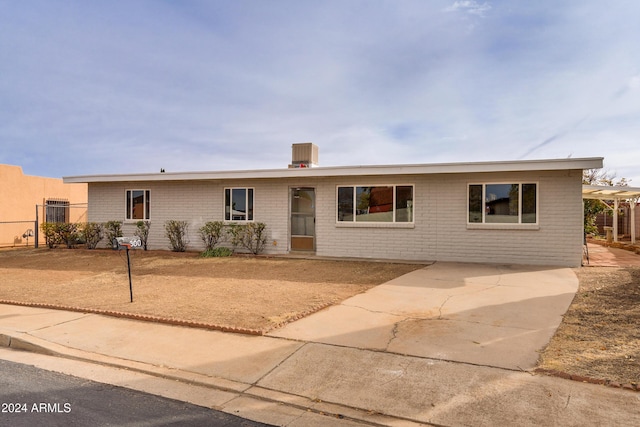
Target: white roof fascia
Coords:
[[419, 169], [606, 192]]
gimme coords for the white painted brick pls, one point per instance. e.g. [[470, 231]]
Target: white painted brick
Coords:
[[439, 233]]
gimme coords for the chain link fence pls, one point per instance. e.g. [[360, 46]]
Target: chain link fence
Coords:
[[27, 232], [17, 234]]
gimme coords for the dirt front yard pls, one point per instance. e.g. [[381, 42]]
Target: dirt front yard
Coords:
[[243, 293], [599, 337]]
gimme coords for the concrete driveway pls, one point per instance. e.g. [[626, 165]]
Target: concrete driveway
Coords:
[[492, 315]]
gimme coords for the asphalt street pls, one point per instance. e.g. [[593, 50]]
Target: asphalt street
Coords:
[[34, 397]]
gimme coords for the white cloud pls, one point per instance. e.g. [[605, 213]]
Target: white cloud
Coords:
[[109, 88], [634, 82], [471, 7]]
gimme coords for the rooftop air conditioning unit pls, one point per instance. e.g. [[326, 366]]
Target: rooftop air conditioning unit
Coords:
[[304, 155]]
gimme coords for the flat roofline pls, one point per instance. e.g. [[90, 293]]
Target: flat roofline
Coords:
[[333, 171]]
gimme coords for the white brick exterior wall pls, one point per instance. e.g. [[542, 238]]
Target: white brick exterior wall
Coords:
[[440, 230]]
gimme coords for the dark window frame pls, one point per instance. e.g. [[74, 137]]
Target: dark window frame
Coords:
[[131, 204], [249, 204], [526, 209], [350, 198]]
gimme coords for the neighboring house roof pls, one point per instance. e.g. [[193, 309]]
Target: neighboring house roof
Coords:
[[417, 169]]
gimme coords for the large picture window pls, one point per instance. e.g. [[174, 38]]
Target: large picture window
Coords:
[[503, 203], [137, 204], [238, 204], [387, 203]]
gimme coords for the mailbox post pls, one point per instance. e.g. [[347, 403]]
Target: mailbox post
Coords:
[[127, 243]]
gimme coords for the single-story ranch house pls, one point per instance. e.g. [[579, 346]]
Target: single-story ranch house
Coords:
[[526, 212]]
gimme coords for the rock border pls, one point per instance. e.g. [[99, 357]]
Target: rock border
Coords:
[[583, 379], [167, 320]]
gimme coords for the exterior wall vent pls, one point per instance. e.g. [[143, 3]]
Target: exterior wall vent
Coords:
[[304, 155]]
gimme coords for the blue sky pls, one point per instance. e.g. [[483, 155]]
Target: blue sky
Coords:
[[91, 87]]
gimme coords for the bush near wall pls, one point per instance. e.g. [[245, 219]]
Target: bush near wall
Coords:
[[142, 231], [176, 232], [92, 233], [69, 234], [113, 230], [254, 237], [212, 233], [51, 237], [56, 233], [251, 236]]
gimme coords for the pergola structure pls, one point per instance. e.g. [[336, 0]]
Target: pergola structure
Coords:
[[617, 194]]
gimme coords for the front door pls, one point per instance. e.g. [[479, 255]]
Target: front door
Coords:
[[303, 219]]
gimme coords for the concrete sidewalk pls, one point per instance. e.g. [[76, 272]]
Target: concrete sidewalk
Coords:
[[447, 345]]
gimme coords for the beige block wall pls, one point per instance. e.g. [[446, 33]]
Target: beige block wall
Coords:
[[19, 195], [195, 202], [440, 231]]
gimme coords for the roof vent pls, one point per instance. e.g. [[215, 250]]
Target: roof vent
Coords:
[[304, 155]]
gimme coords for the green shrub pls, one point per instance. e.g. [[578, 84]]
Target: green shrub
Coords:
[[50, 231], [142, 231], [211, 234], [68, 233], [251, 236], [591, 210], [235, 233], [113, 230], [56, 233], [254, 237], [91, 233], [217, 252], [176, 232]]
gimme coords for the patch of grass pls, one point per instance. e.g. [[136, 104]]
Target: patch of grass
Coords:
[[216, 252]]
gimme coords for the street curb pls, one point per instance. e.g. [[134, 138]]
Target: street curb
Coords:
[[26, 342]]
